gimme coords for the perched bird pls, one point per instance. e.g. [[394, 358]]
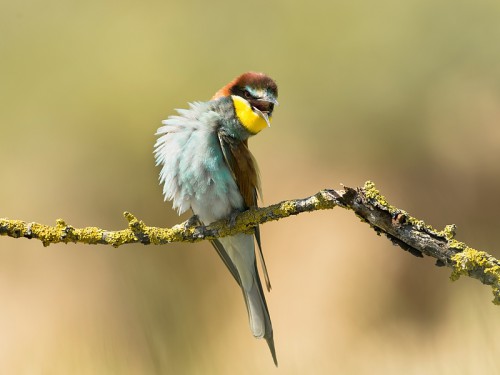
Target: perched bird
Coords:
[[207, 166]]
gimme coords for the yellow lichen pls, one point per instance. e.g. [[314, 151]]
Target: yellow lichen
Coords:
[[90, 235], [17, 227], [454, 244], [467, 260], [448, 233], [320, 202], [60, 223], [470, 260], [155, 235], [285, 208], [371, 192]]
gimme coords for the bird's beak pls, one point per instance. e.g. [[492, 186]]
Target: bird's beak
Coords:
[[266, 98], [264, 115]]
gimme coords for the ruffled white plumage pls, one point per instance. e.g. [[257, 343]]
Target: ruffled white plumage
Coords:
[[194, 174]]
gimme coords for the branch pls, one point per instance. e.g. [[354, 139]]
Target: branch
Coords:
[[368, 204]]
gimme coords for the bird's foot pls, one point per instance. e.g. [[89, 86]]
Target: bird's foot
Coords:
[[232, 218], [192, 221]]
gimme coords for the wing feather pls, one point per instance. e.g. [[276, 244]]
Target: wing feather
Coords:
[[246, 174]]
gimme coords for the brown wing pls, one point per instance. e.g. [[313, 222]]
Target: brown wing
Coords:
[[246, 174]]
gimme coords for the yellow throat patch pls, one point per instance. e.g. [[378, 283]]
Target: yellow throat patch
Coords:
[[252, 121]]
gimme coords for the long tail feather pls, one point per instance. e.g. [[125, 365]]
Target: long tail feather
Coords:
[[258, 314], [238, 253]]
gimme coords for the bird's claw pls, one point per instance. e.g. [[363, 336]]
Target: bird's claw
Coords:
[[232, 218], [192, 221]]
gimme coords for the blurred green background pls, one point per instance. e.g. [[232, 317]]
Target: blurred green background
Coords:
[[404, 93]]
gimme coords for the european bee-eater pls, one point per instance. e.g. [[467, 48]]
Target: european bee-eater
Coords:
[[207, 166]]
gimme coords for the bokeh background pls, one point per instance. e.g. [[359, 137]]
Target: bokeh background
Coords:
[[405, 93]]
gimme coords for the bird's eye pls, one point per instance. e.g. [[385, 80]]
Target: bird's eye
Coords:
[[247, 94]]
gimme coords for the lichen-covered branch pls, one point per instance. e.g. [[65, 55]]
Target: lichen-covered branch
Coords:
[[367, 203]]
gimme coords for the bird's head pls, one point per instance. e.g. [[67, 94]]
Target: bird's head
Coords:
[[254, 96]]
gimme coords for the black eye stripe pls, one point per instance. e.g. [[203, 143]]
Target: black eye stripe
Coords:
[[240, 91]]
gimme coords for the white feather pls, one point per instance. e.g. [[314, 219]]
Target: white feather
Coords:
[[194, 174]]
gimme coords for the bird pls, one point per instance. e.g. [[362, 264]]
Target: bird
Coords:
[[207, 167]]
